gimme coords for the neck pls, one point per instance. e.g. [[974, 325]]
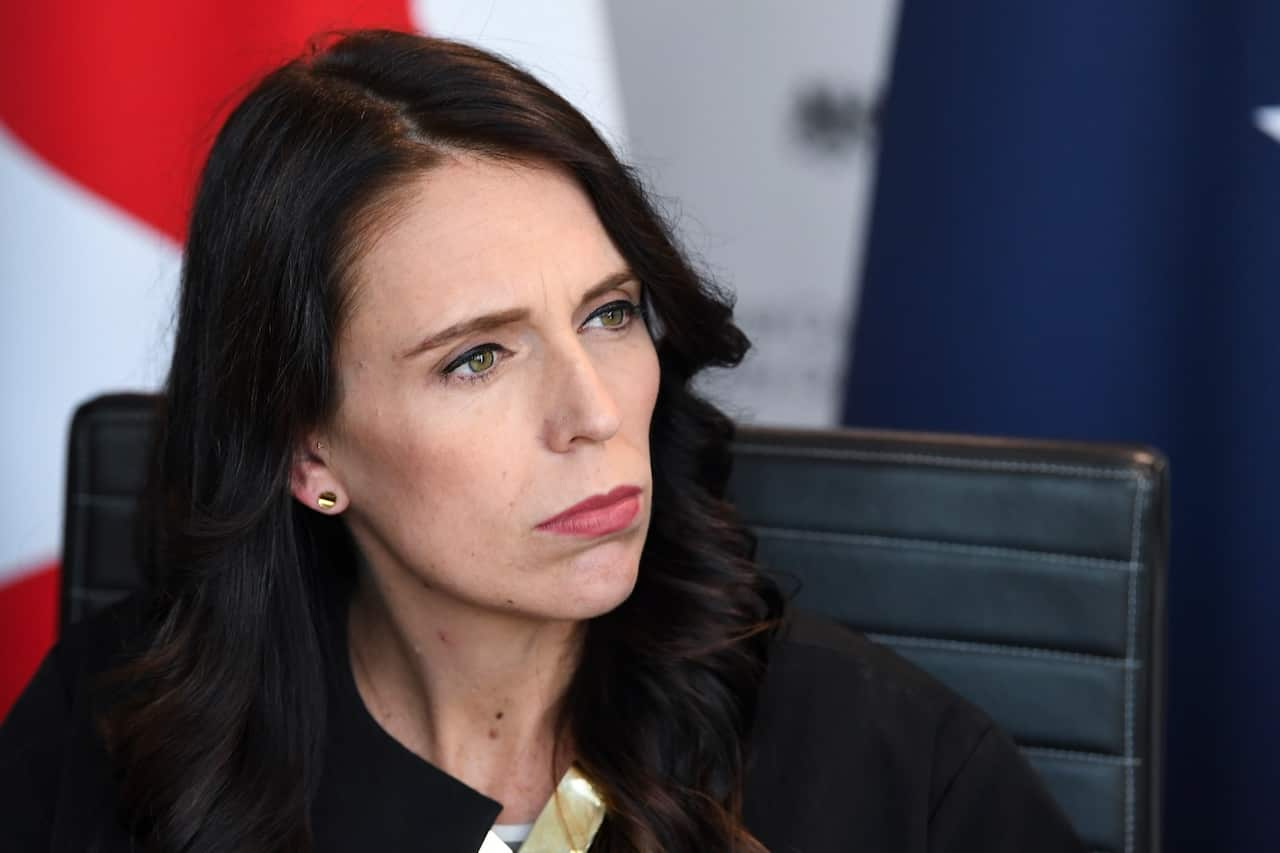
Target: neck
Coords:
[[474, 692]]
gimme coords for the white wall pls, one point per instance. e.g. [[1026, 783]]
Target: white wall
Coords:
[[711, 93]]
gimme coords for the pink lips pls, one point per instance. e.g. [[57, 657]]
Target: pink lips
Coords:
[[597, 515]]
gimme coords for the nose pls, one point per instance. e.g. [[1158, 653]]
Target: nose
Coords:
[[580, 405]]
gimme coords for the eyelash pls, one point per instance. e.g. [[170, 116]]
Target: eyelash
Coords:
[[449, 374]]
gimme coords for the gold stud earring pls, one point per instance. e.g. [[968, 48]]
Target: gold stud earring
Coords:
[[327, 500]]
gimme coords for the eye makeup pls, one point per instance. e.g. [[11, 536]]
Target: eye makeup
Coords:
[[472, 366]]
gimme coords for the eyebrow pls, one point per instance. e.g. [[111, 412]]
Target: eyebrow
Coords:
[[505, 317]]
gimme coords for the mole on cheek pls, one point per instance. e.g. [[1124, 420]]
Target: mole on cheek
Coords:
[[498, 716]]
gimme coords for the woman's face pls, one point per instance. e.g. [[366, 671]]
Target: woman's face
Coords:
[[494, 374]]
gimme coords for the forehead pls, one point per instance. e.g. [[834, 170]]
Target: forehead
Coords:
[[474, 235]]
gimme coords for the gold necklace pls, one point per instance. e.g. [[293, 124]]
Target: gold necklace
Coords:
[[568, 823]]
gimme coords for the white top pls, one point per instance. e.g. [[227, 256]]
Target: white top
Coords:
[[510, 832], [506, 837]]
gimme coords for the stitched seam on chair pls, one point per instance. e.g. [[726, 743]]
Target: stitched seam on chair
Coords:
[[84, 448], [104, 501], [102, 594], [967, 463], [1076, 755], [942, 546], [1003, 650], [128, 418], [1131, 643]]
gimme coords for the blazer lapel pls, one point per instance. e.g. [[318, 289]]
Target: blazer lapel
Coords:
[[377, 795]]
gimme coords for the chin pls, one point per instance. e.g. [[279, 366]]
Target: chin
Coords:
[[601, 579]]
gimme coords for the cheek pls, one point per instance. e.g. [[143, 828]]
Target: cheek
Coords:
[[443, 512], [639, 389], [410, 464], [452, 477]]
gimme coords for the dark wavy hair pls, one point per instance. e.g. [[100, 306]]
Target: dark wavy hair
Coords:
[[219, 739]]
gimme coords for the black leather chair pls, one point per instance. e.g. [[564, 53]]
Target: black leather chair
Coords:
[[1029, 576]]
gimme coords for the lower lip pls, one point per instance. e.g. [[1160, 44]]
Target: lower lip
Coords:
[[597, 522]]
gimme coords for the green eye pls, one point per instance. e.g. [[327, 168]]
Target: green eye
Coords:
[[476, 364], [616, 315], [613, 317], [481, 361]]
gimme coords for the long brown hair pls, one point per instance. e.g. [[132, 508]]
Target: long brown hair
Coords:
[[220, 739]]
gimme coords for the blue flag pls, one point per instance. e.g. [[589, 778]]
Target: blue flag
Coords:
[[1076, 234]]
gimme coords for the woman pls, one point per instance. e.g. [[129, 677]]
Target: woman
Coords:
[[443, 562]]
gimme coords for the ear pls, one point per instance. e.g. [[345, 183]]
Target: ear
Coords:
[[312, 482]]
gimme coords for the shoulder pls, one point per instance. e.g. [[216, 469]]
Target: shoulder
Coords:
[[856, 748], [808, 642], [81, 653], [101, 640], [848, 728], [844, 675], [49, 750]]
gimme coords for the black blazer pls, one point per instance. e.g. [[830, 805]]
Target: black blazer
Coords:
[[854, 749]]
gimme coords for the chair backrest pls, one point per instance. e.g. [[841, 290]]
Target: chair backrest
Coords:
[[1029, 576]]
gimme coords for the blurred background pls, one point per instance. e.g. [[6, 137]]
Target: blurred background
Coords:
[[1055, 219]]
